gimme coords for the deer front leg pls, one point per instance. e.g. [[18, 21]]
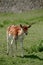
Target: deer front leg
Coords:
[[22, 50]]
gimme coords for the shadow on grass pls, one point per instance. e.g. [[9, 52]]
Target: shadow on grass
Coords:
[[32, 57]]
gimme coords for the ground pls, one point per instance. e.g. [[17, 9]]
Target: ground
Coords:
[[33, 42]]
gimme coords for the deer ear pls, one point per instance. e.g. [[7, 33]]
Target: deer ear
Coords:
[[29, 26], [20, 25]]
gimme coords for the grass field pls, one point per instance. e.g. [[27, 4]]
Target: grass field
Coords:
[[33, 42]]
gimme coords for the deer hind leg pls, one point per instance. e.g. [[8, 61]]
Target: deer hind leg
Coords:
[[7, 44], [12, 46]]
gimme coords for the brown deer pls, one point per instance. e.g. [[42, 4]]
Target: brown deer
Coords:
[[14, 33]]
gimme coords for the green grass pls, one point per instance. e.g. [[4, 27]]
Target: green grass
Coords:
[[33, 42]]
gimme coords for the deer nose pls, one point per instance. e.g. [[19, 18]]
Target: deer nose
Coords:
[[26, 33]]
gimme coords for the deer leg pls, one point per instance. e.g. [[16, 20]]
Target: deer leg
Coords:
[[22, 50], [8, 44], [12, 47], [16, 46]]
